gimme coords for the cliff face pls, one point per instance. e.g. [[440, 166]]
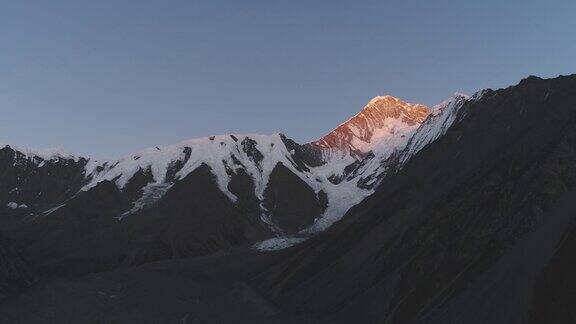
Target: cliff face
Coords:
[[381, 120]]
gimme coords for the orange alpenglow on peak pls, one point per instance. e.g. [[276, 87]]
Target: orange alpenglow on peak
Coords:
[[384, 120]]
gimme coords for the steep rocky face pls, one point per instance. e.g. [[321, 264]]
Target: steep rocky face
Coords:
[[384, 120], [33, 182], [290, 203]]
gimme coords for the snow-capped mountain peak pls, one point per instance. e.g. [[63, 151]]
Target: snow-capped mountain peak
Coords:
[[384, 121]]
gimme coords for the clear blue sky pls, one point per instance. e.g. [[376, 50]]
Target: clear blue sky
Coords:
[[107, 78]]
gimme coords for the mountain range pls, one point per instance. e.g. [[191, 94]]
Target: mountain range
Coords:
[[404, 213]]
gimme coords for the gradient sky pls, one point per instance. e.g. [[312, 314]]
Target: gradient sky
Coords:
[[107, 78]]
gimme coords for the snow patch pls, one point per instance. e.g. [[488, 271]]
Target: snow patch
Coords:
[[14, 205], [278, 243], [151, 194]]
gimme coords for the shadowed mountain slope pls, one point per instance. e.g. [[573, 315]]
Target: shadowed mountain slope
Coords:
[[453, 236]]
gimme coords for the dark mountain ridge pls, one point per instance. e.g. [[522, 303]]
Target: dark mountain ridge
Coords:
[[499, 179]]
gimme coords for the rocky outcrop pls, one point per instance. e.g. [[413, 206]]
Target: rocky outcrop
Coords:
[[291, 204]]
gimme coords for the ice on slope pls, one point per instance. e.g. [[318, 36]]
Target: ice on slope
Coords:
[[151, 194], [278, 243]]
